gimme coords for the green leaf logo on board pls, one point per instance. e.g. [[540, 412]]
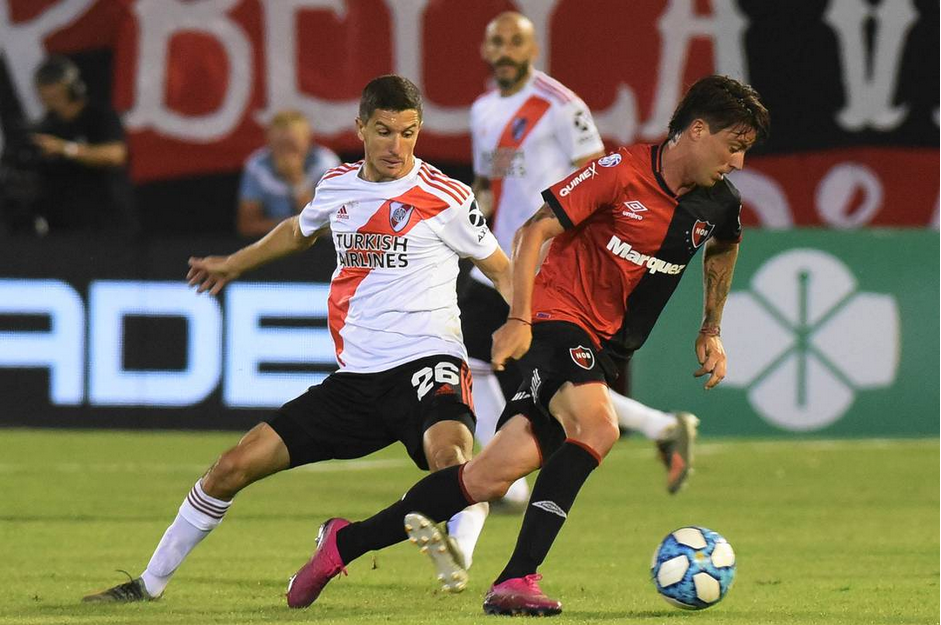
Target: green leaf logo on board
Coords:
[[803, 340]]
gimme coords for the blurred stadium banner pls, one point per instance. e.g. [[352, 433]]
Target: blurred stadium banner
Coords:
[[851, 83], [95, 332], [827, 333]]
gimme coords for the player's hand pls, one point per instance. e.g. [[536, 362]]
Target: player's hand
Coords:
[[50, 145], [510, 341], [210, 273], [712, 358]]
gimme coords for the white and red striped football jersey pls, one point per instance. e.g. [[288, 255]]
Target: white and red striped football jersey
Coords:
[[392, 296], [526, 142]]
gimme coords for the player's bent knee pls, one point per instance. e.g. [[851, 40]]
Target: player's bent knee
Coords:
[[599, 433], [230, 474], [446, 456]]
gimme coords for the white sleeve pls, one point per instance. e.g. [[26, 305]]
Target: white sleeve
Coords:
[[576, 131], [317, 213], [476, 147], [467, 232]]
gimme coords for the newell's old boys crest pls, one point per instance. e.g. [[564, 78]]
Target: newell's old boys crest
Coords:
[[399, 215], [701, 231], [583, 357]]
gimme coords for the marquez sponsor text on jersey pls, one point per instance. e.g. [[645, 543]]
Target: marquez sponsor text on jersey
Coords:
[[627, 242]]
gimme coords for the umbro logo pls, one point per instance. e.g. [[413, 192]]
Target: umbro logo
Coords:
[[551, 507], [633, 209]]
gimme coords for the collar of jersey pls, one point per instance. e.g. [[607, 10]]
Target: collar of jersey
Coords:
[[656, 166], [413, 172]]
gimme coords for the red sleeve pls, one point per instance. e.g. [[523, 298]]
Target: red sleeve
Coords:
[[597, 185]]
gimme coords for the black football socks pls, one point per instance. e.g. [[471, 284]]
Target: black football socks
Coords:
[[439, 496], [553, 495]]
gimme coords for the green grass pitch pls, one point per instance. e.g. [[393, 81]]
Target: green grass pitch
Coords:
[[825, 532]]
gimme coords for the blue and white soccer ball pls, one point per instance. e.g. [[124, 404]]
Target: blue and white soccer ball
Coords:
[[693, 568]]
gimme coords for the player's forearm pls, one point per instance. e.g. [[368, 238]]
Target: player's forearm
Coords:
[[497, 269], [526, 258], [283, 239], [101, 155], [718, 267]]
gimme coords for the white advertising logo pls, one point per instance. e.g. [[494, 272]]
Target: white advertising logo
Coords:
[[235, 347], [803, 340]]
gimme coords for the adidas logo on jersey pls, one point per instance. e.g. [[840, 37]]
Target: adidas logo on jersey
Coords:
[[342, 213], [625, 250]]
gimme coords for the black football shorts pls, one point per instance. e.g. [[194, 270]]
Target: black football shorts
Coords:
[[560, 352], [351, 415]]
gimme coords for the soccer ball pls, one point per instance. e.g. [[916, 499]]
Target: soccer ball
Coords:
[[693, 568]]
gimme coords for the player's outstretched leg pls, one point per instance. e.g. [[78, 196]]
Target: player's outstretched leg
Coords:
[[198, 515], [260, 453], [306, 585], [676, 450], [443, 550], [672, 433]]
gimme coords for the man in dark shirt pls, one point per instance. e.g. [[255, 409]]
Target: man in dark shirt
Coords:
[[624, 229], [84, 182]]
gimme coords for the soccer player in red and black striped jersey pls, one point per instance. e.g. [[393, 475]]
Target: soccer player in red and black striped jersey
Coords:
[[623, 229], [527, 133]]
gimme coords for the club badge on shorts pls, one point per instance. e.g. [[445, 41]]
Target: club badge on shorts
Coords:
[[583, 357]]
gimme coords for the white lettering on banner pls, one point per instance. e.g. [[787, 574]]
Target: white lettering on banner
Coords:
[[765, 197], [248, 344], [111, 384], [23, 45], [678, 26], [61, 350], [158, 21], [331, 117], [838, 189], [870, 86]]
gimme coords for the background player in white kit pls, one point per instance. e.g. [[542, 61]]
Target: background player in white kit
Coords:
[[529, 133], [399, 227]]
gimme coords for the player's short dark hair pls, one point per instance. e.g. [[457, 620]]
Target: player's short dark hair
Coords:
[[389, 93], [722, 102]]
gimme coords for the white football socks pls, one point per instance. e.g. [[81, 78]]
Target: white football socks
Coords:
[[635, 416], [465, 528], [198, 515]]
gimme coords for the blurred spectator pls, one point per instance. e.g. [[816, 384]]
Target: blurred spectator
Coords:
[[279, 179], [82, 156]]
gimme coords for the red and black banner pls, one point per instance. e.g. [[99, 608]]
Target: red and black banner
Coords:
[[851, 84]]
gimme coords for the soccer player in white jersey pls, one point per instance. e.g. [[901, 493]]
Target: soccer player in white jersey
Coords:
[[399, 227], [528, 133]]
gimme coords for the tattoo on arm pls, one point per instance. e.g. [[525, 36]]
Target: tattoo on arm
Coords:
[[718, 267]]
